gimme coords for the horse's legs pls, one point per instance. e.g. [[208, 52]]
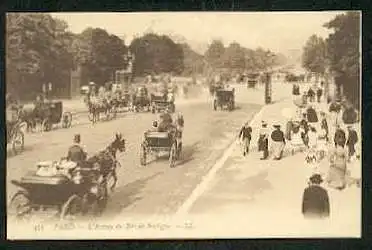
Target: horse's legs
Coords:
[[115, 177]]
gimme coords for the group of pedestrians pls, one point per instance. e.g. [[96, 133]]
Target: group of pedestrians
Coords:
[[318, 133]]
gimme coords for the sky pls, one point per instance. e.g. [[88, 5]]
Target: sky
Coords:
[[278, 31]]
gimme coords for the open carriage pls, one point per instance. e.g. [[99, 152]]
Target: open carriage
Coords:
[[51, 113], [161, 142], [224, 98], [141, 100], [68, 190], [160, 103]]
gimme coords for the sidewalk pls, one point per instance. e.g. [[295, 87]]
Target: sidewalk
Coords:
[[270, 192]]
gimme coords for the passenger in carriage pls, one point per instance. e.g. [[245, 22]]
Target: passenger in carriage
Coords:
[[166, 121], [76, 152]]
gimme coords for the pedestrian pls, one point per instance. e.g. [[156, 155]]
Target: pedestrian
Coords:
[[334, 110], [278, 142], [349, 116], [304, 130], [315, 199], [319, 92], [337, 170], [311, 156], [324, 124], [296, 137], [311, 94], [311, 115], [76, 152], [263, 141], [246, 135], [339, 137], [351, 141]]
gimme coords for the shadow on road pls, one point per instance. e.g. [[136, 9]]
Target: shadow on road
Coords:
[[187, 154], [126, 195], [10, 153]]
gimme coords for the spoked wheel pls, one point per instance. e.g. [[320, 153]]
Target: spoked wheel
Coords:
[[173, 155], [72, 209], [20, 206], [91, 116], [179, 150], [67, 120], [143, 156], [18, 141], [46, 125]]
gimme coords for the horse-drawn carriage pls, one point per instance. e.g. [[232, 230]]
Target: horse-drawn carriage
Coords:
[[121, 100], [162, 102], [141, 100], [69, 190], [96, 106], [48, 114], [252, 80], [167, 138], [224, 98]]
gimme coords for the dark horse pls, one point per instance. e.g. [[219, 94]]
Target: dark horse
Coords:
[[106, 161]]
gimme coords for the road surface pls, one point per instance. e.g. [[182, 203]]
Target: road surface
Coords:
[[155, 188]]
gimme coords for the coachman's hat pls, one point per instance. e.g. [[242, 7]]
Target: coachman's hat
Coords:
[[316, 179]]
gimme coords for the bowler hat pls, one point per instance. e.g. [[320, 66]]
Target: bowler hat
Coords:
[[316, 179]]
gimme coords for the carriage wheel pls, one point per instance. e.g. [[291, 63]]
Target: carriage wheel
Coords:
[[91, 116], [215, 105], [72, 208], [18, 141], [173, 155], [67, 120], [143, 156], [20, 206], [46, 125], [179, 150]]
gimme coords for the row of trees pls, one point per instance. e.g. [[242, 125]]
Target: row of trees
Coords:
[[40, 49], [338, 54], [239, 58]]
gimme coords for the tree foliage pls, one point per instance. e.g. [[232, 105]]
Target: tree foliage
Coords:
[[314, 55], [36, 51], [344, 53], [157, 54], [99, 53]]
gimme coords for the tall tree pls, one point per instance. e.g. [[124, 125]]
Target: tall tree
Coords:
[[234, 57], [214, 53], [99, 53], [314, 57], [157, 54], [344, 53]]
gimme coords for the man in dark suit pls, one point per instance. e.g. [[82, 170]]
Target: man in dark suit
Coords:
[[351, 140], [76, 152], [315, 200]]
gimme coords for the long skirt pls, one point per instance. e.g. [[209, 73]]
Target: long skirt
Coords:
[[337, 175], [277, 148]]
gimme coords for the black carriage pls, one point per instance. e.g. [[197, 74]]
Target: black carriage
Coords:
[[70, 197], [252, 80], [120, 102], [161, 142], [224, 98], [50, 113], [160, 103]]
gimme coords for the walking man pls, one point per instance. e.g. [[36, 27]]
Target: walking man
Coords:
[[246, 135], [351, 141], [263, 141], [315, 200]]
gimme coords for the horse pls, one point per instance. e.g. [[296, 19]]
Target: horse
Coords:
[[96, 108], [106, 160]]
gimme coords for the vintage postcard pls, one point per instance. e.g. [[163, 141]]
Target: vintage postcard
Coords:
[[183, 125]]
